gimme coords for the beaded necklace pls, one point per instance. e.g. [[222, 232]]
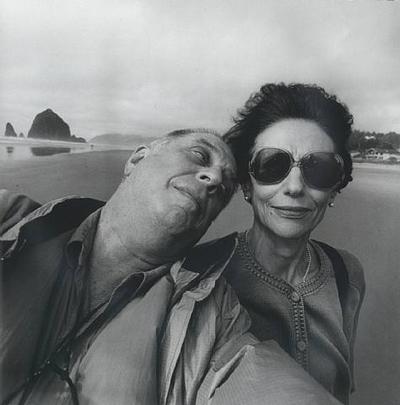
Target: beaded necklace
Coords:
[[307, 254]]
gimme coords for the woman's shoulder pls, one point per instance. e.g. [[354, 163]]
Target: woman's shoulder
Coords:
[[211, 253], [352, 264], [354, 268]]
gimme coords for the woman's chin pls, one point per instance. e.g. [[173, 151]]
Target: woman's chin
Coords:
[[290, 230]]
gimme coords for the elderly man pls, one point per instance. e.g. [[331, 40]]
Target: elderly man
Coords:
[[99, 308]]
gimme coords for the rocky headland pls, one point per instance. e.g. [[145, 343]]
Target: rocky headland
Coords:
[[10, 131], [49, 125]]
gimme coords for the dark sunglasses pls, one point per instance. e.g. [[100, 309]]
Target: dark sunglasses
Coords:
[[320, 170]]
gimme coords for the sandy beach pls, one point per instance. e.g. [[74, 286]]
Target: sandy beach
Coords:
[[365, 220], [94, 174]]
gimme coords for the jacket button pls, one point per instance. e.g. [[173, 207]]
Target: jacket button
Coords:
[[295, 297], [301, 345]]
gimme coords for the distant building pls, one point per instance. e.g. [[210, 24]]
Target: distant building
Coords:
[[382, 154]]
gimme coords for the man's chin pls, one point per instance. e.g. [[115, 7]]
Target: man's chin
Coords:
[[180, 221]]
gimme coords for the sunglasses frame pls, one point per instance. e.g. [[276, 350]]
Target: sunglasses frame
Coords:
[[299, 163]]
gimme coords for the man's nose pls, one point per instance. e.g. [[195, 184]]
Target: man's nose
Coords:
[[294, 182], [211, 178]]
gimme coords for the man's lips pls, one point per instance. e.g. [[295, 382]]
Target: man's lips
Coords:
[[190, 194]]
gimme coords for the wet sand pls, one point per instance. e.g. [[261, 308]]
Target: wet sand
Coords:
[[365, 220], [93, 174]]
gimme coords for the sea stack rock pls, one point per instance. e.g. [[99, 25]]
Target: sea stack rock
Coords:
[[10, 130], [49, 125]]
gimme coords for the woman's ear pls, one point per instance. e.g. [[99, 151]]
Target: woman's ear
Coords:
[[331, 200], [140, 153], [246, 189]]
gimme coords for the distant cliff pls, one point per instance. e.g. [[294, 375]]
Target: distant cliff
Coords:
[[10, 130], [49, 125]]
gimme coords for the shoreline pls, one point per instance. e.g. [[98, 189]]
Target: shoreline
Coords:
[[88, 147], [50, 142], [377, 165], [38, 141], [101, 152]]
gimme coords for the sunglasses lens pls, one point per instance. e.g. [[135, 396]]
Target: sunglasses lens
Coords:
[[322, 170], [271, 165]]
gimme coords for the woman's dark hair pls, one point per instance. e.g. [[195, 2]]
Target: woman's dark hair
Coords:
[[275, 102]]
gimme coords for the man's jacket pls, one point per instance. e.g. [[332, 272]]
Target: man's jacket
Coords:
[[206, 355]]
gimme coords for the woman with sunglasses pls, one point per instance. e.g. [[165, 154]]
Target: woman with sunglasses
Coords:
[[289, 142]]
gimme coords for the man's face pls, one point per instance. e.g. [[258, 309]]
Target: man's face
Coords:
[[183, 183]]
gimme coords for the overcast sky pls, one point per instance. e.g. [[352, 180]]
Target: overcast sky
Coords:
[[147, 67]]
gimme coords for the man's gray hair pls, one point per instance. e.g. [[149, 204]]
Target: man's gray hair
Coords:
[[183, 132], [187, 131]]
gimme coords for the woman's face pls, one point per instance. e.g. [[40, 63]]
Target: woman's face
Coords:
[[290, 209]]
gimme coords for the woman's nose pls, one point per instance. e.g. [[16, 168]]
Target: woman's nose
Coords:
[[294, 181], [211, 178]]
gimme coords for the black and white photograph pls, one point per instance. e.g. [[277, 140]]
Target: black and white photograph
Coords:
[[199, 202]]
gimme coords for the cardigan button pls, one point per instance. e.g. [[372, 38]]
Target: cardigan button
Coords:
[[295, 296], [301, 345]]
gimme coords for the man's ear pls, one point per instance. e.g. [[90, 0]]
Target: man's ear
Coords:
[[140, 153]]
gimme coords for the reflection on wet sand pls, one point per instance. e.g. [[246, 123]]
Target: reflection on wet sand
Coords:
[[48, 150], [18, 150]]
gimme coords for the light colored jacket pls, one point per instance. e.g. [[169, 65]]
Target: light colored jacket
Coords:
[[206, 355]]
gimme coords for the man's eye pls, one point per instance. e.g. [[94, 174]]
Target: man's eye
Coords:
[[200, 155]]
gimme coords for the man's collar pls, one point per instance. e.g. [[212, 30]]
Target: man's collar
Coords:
[[49, 220], [81, 241], [202, 267]]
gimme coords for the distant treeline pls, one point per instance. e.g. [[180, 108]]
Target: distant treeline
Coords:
[[361, 140]]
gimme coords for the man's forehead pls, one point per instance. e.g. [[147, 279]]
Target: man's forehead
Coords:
[[210, 140]]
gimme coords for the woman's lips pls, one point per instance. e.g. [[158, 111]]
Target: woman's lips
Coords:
[[292, 211]]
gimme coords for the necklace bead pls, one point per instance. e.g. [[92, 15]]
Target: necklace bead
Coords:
[[308, 260]]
